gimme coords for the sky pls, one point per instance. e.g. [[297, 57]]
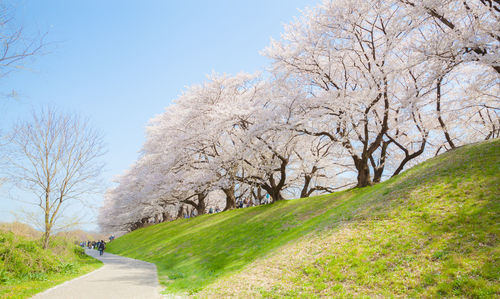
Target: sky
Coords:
[[120, 63]]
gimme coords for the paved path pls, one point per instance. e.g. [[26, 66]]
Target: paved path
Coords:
[[120, 277]]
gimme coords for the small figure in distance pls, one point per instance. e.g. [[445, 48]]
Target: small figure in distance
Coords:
[[102, 246]]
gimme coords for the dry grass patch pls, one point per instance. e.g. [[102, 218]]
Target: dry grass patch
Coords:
[[268, 273]]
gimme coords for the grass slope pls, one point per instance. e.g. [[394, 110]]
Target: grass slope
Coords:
[[27, 269], [432, 231]]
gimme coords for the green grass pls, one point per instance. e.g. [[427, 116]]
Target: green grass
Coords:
[[27, 269], [432, 231]]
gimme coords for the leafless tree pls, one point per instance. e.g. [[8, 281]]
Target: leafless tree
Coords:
[[57, 158], [15, 45]]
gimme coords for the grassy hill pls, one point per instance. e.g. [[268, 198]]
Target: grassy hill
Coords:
[[26, 268], [431, 231]]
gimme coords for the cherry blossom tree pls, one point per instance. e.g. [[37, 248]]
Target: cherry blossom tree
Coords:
[[458, 31], [358, 91], [344, 51]]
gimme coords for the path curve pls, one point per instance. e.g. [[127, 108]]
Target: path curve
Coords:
[[119, 277]]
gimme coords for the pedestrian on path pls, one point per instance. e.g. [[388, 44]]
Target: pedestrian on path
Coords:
[[118, 278], [102, 246]]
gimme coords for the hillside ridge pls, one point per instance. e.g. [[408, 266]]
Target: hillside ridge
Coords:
[[431, 231]]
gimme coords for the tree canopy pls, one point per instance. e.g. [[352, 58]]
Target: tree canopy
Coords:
[[357, 92]]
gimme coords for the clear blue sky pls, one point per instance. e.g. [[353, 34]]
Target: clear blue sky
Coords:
[[122, 62]]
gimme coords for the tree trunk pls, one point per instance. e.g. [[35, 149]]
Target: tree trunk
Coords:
[[180, 212], [257, 196], [377, 174], [440, 119], [378, 170], [275, 192], [304, 193], [46, 238], [364, 177], [274, 189], [166, 217], [230, 198], [48, 224], [361, 163], [409, 157], [276, 195], [363, 169], [202, 205]]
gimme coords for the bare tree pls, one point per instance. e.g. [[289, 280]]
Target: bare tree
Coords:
[[15, 48], [15, 45], [57, 158]]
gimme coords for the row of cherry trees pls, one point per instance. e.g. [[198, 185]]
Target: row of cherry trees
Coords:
[[357, 92]]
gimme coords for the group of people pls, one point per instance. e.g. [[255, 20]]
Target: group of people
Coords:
[[97, 245], [211, 210], [248, 202], [243, 203]]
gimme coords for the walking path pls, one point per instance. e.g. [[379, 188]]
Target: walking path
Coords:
[[120, 277]]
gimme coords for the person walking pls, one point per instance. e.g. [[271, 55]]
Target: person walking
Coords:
[[102, 246]]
